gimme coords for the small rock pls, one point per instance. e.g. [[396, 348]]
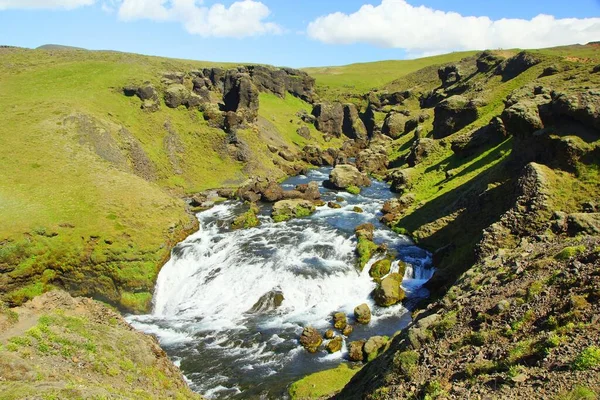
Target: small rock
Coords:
[[329, 334], [348, 330], [340, 320], [362, 313], [355, 350], [335, 344], [311, 339]]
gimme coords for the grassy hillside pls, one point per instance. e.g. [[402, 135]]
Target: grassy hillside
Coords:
[[363, 77], [58, 347], [91, 183]]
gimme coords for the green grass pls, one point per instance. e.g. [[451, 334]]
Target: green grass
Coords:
[[71, 199], [569, 252], [363, 77], [589, 358], [321, 384]]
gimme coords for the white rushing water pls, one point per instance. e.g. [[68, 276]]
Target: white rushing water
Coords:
[[205, 302]]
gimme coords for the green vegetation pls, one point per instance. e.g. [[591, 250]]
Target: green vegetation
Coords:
[[93, 197], [321, 384], [68, 345], [569, 252], [360, 78], [587, 359], [353, 189], [407, 362], [365, 250], [578, 393], [247, 219]]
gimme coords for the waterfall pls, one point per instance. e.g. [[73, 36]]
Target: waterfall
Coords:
[[231, 304]]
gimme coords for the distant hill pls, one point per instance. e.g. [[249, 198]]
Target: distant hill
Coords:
[[58, 47]]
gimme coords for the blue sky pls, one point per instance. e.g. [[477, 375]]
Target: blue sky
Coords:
[[299, 33]]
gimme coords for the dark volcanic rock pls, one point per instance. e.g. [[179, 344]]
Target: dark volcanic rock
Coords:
[[352, 125], [329, 118], [240, 95], [394, 124], [487, 61], [516, 65], [421, 149], [452, 115], [449, 75]]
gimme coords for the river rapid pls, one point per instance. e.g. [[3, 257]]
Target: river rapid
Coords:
[[207, 314]]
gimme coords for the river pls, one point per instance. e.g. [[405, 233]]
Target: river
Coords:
[[205, 310]]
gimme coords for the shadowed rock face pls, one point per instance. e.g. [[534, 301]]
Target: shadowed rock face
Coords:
[[329, 118], [453, 114], [240, 94]]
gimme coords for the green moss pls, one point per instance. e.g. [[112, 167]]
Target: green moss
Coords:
[[246, 220], [365, 250], [589, 358], [301, 212], [578, 393], [353, 190], [569, 252], [322, 384], [407, 362], [136, 302], [380, 268]]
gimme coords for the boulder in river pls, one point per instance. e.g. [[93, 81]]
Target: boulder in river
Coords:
[[365, 231], [285, 210], [389, 291], [268, 302], [348, 330], [340, 321], [329, 334], [362, 313], [247, 219], [311, 339], [355, 350], [380, 268], [345, 175], [335, 344]]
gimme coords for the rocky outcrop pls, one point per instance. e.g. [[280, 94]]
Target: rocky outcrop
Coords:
[[339, 119], [345, 176], [389, 291], [311, 339], [285, 210], [355, 350], [421, 149], [240, 95], [515, 66], [147, 93], [268, 190], [449, 75], [374, 346], [372, 162], [453, 114], [394, 124], [280, 81], [352, 125], [329, 118], [487, 61], [317, 157], [178, 95], [400, 180]]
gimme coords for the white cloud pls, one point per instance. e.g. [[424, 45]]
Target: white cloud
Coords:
[[44, 4], [241, 19], [397, 24]]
